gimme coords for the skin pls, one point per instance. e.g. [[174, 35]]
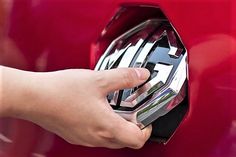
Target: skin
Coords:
[[72, 104]]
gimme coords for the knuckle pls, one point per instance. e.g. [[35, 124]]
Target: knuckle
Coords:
[[100, 80], [141, 140], [107, 135], [108, 132], [138, 145]]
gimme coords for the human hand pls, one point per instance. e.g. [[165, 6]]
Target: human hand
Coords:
[[73, 104]]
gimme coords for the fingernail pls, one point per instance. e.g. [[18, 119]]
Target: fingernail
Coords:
[[142, 73]]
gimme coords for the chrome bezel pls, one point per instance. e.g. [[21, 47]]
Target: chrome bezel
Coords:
[[168, 90]]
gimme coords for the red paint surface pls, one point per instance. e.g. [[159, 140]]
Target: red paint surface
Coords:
[[46, 35]]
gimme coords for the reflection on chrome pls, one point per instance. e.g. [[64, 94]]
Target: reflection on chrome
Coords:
[[153, 45]]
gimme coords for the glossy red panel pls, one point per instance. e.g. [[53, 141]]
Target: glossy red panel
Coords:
[[46, 35]]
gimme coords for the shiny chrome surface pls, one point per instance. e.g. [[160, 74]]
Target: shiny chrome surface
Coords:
[[154, 45]]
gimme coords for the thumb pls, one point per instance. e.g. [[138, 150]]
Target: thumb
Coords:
[[122, 78]]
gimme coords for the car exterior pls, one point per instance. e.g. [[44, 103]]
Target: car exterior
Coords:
[[48, 35]]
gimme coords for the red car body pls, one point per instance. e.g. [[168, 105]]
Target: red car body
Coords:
[[47, 35]]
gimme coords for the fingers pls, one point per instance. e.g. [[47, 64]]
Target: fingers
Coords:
[[147, 132], [123, 132], [115, 79], [130, 135]]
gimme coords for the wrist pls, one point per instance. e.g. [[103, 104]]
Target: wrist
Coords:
[[17, 91]]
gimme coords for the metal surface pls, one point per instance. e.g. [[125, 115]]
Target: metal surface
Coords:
[[46, 35]]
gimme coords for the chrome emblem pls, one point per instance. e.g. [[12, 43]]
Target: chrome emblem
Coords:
[[155, 45]]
